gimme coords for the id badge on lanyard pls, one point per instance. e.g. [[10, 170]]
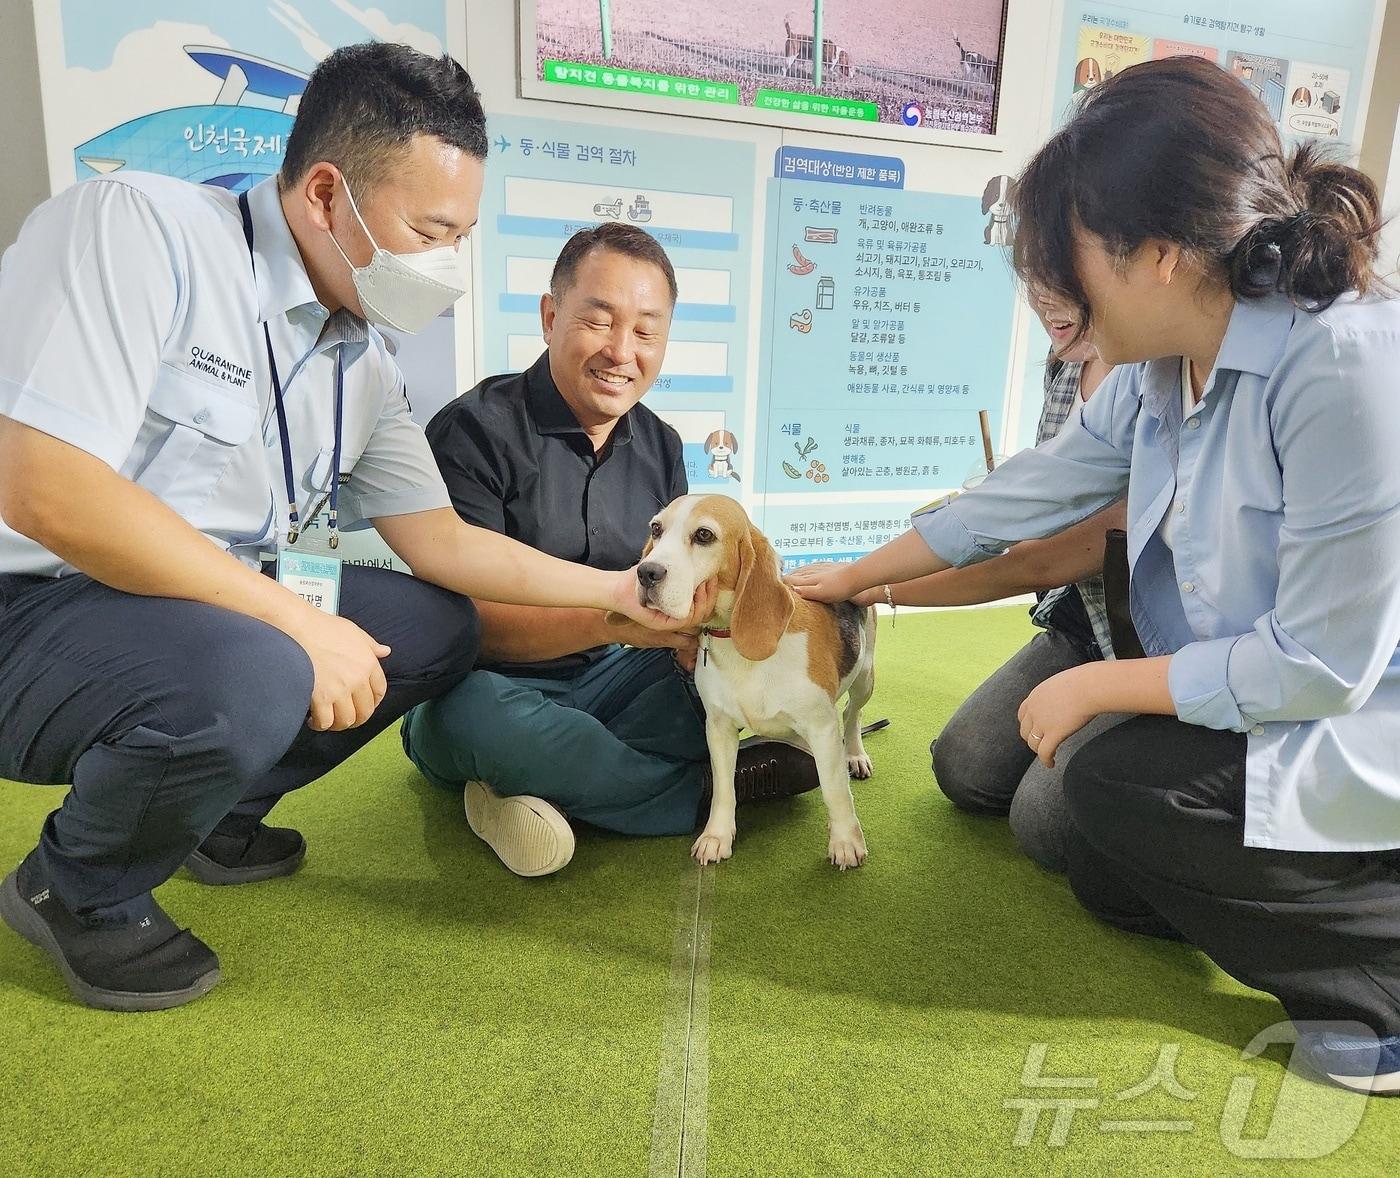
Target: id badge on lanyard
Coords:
[[314, 577]]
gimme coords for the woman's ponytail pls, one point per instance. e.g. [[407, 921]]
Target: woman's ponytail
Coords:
[[1330, 245]]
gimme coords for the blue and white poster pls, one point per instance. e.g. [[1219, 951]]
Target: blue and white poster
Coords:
[[889, 317], [548, 179], [201, 89], [1306, 62]]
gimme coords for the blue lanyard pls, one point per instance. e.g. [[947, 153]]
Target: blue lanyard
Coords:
[[293, 519]]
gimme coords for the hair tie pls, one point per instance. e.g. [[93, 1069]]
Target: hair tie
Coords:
[[1258, 258]]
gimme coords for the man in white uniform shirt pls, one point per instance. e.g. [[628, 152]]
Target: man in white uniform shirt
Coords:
[[187, 379]]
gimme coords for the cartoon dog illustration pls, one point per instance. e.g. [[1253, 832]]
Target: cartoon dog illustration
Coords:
[[1087, 73], [720, 447]]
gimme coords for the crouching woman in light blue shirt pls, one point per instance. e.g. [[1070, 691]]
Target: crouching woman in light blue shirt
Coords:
[[1252, 806]]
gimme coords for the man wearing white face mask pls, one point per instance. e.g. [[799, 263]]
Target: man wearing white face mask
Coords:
[[187, 380], [406, 292]]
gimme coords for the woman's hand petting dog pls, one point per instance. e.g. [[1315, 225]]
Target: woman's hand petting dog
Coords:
[[825, 581]]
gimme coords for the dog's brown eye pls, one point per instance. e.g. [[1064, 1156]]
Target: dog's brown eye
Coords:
[[656, 529], [703, 536]]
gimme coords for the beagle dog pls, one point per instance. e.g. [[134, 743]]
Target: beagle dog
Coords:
[[976, 67], [770, 661], [801, 45]]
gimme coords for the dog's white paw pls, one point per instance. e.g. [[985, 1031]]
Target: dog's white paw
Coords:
[[846, 848], [859, 766], [712, 846]]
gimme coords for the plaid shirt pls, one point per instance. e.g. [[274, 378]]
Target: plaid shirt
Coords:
[[1061, 398]]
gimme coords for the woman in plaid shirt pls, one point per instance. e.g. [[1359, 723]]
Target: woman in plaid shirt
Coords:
[[980, 761]]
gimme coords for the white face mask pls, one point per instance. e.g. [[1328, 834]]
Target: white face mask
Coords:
[[406, 292]]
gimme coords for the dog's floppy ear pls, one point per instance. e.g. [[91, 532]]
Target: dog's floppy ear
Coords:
[[763, 605]]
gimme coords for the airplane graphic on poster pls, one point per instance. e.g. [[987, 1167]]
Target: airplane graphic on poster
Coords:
[[203, 90], [229, 142]]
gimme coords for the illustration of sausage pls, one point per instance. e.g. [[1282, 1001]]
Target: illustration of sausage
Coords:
[[802, 266]]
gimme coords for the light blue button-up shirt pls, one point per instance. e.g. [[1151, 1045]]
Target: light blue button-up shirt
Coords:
[[131, 327], [1280, 599]]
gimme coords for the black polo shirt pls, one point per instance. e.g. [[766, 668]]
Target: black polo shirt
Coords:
[[516, 460]]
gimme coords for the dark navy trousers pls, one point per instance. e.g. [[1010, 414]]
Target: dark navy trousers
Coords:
[[170, 718]]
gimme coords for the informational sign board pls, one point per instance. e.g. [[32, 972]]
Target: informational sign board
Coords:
[[1304, 61], [887, 328]]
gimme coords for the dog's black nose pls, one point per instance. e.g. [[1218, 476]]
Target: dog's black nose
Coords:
[[651, 574]]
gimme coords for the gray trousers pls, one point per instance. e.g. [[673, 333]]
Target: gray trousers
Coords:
[[984, 767]]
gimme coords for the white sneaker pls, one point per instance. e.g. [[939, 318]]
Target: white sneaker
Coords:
[[529, 835]]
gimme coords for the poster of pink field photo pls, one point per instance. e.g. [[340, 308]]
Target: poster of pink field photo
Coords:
[[934, 65]]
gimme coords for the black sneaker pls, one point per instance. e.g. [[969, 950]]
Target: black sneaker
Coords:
[[268, 852], [769, 769], [147, 964]]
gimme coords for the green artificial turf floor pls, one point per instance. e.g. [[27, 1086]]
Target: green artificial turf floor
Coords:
[[405, 1006]]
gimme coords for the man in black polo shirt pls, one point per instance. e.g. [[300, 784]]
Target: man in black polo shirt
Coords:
[[564, 720]]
